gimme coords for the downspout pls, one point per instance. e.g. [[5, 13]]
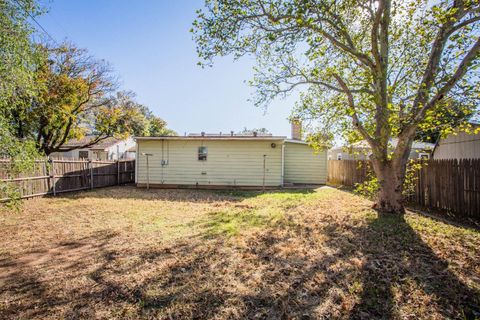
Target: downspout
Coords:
[[137, 158], [163, 158], [283, 163]]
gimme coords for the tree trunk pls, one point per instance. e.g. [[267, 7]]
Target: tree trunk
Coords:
[[390, 177]]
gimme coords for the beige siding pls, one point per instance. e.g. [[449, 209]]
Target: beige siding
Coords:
[[460, 146], [229, 163], [303, 165]]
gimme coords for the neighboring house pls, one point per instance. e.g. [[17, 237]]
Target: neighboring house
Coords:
[[107, 149], [131, 153], [458, 146], [228, 160], [361, 151]]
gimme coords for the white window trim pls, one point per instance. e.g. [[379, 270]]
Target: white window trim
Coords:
[[420, 154]]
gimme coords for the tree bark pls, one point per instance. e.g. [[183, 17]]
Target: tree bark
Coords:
[[391, 176]]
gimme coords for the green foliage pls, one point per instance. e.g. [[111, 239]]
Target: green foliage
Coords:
[[368, 188], [411, 176], [16, 50], [444, 119], [22, 154]]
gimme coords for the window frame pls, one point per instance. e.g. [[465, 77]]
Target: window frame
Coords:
[[82, 152], [202, 153]]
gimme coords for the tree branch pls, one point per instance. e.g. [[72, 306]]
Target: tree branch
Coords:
[[459, 73], [355, 120]]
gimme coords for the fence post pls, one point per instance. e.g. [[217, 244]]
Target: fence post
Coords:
[[91, 173], [52, 176], [118, 172]]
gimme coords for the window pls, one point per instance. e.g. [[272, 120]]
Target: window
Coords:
[[423, 156], [339, 156], [83, 154], [202, 153]]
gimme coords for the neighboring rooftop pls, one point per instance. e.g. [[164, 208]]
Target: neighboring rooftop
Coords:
[[393, 143], [108, 142]]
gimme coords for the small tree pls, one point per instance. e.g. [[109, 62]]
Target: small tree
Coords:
[[379, 67]]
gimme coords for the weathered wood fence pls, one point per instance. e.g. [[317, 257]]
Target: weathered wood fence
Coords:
[[347, 172], [451, 185], [59, 176]]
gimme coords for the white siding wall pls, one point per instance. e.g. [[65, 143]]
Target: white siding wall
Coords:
[[118, 151], [229, 163], [460, 146], [303, 165]]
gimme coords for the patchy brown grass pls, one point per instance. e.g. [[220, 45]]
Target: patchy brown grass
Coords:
[[128, 253]]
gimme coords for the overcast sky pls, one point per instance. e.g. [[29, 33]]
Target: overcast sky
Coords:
[[150, 47]]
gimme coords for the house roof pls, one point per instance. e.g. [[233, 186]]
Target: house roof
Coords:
[[296, 141], [215, 137], [101, 145]]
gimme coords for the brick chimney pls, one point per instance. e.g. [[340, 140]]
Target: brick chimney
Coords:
[[296, 129]]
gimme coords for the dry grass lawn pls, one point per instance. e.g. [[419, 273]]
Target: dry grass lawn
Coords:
[[127, 253]]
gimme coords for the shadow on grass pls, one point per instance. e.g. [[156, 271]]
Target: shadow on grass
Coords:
[[326, 268], [398, 259]]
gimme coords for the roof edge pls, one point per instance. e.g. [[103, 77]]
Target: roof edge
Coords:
[[249, 138]]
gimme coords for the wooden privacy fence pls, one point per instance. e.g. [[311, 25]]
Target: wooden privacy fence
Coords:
[[59, 176], [347, 172], [451, 185]]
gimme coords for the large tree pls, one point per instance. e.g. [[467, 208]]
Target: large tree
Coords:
[[384, 66], [74, 95]]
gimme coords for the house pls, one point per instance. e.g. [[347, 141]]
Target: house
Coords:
[[459, 145], [228, 160], [107, 149], [361, 150]]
